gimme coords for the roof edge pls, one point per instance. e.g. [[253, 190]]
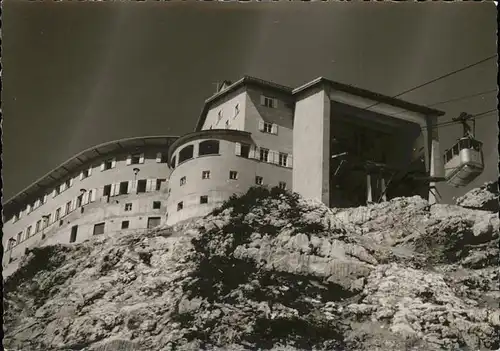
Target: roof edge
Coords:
[[8, 201]]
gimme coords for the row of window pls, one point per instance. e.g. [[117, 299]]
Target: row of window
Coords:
[[211, 147], [105, 165], [204, 198], [42, 224], [233, 175]]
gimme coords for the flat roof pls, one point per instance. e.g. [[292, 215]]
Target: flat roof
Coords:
[[314, 83], [385, 99], [65, 169]]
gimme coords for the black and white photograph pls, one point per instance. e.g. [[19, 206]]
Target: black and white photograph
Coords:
[[250, 175]]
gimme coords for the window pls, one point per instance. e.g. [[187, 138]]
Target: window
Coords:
[[282, 185], [227, 124], [37, 227], [236, 110], [264, 154], [68, 207], [61, 222], [125, 224], [268, 127], [186, 153], [156, 205], [173, 162], [15, 218], [28, 231], [57, 191], [72, 237], [283, 159], [58, 214], [135, 159], [19, 237], [205, 175], [141, 186], [158, 183], [90, 196], [269, 102], [46, 220], [99, 229], [233, 175], [209, 147], [123, 188], [108, 165], [258, 180], [182, 181], [68, 183], [153, 222], [107, 190], [128, 207], [85, 174], [204, 199], [180, 206], [245, 150], [10, 245], [219, 116], [79, 200]]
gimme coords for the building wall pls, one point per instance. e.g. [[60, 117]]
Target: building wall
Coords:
[[219, 187], [149, 170], [231, 108], [311, 134]]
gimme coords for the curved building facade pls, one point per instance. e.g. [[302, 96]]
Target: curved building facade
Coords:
[[335, 141], [211, 165], [116, 186]]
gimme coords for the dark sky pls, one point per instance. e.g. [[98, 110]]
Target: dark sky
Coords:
[[81, 73]]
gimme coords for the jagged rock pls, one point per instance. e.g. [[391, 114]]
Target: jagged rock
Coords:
[[269, 270], [485, 198]]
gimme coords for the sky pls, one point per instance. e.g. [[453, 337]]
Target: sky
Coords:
[[76, 74]]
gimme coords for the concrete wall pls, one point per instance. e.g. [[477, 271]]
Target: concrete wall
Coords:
[[219, 187], [311, 146], [149, 170], [227, 108]]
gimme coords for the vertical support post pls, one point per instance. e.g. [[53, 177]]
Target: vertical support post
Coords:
[[382, 188], [369, 198]]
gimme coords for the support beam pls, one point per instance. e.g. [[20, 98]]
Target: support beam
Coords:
[[369, 198]]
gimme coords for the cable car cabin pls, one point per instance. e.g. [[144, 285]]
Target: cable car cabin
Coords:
[[463, 162]]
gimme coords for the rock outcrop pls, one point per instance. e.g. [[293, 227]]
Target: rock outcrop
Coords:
[[269, 270], [486, 198]]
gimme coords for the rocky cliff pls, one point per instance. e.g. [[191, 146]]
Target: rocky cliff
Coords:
[[269, 271]]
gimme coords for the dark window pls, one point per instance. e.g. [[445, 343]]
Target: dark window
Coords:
[[72, 237], [125, 224], [123, 188], [28, 232], [37, 227], [99, 229], [68, 183], [456, 150], [85, 173], [264, 153], [108, 164], [282, 185], [153, 222], [180, 206], [61, 222], [107, 190], [233, 175], [258, 180], [156, 205], [19, 237], [135, 159], [269, 102], [186, 153], [79, 200], [141, 186], [128, 207], [204, 199], [205, 175], [268, 127], [158, 183], [173, 162], [245, 150], [68, 207], [209, 147], [58, 214], [182, 181], [283, 159]]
